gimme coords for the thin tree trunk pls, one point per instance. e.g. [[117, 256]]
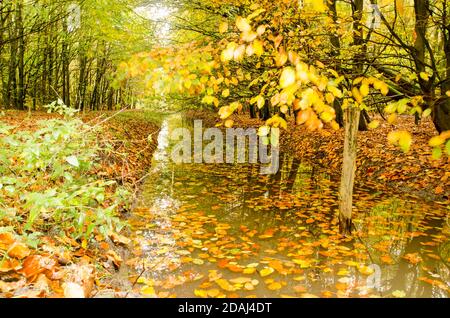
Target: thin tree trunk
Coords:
[[20, 103], [351, 119], [351, 124]]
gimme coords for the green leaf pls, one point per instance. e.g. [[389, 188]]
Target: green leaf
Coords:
[[426, 113], [73, 161], [437, 153]]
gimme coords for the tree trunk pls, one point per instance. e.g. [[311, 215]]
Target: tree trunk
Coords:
[[351, 119], [264, 113], [441, 114], [351, 124], [20, 102], [65, 65]]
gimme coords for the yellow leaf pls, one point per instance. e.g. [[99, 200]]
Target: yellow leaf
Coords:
[[225, 285], [357, 81], [399, 294], [239, 52], [201, 293], [274, 286], [213, 292], [241, 280], [335, 91], [425, 76], [401, 138], [392, 118], [249, 270], [148, 290], [255, 14], [258, 47], [364, 89], [228, 54], [225, 112], [384, 89], [261, 29], [334, 125], [405, 141], [242, 24], [229, 123], [436, 141], [365, 270], [226, 93], [287, 77], [266, 271], [223, 27], [357, 95], [374, 124], [249, 36], [303, 263], [198, 261], [317, 6]]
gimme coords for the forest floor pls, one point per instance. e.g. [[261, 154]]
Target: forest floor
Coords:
[[65, 267], [381, 166]]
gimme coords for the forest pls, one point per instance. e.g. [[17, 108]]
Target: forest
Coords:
[[336, 179]]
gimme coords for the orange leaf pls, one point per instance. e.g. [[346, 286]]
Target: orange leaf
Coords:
[[8, 265], [6, 240], [19, 250]]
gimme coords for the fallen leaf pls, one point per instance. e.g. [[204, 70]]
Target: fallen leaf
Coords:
[[266, 271], [274, 286], [19, 251], [73, 290], [6, 240], [399, 294], [119, 239]]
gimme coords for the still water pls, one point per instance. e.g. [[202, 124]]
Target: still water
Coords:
[[224, 230]]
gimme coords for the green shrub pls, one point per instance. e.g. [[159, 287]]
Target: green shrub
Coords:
[[47, 179]]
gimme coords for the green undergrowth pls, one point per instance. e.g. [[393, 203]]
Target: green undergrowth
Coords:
[[49, 180]]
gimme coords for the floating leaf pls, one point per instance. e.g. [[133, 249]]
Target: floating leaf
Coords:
[[266, 271], [399, 294], [274, 286], [225, 285], [201, 293]]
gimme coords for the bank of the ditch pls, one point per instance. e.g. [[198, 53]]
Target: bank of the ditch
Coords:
[[40, 261]]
